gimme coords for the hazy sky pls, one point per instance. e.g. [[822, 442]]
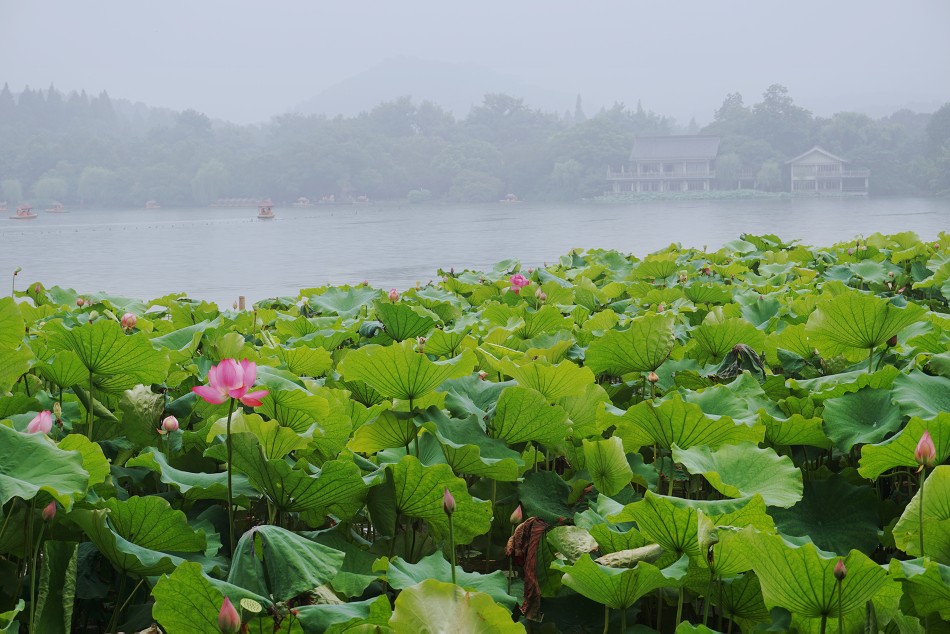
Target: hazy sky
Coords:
[[245, 61]]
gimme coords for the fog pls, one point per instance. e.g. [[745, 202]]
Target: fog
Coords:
[[247, 61]]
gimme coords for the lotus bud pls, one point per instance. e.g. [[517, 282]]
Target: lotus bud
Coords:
[[482, 375], [80, 302], [925, 454], [890, 274], [49, 512], [365, 282], [850, 251], [57, 410], [234, 305], [37, 289], [516, 516], [393, 295], [683, 277], [840, 571], [660, 308], [652, 377], [936, 246], [129, 320], [452, 271], [94, 315], [540, 295], [418, 285], [42, 423], [229, 621], [170, 424], [892, 341], [420, 344], [17, 270], [448, 502]]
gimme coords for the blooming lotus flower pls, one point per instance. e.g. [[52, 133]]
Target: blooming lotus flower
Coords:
[[926, 453], [230, 379], [170, 424], [393, 295], [519, 281], [229, 621], [42, 422], [49, 511], [129, 320], [840, 570], [448, 502], [516, 516]]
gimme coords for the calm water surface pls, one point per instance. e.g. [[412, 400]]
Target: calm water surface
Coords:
[[218, 254]]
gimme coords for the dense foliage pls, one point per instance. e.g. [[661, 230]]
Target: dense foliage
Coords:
[[97, 151], [698, 441]]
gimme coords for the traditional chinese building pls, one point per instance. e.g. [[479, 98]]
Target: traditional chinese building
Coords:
[[818, 171], [668, 164]]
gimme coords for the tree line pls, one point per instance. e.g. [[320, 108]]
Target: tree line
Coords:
[[93, 150]]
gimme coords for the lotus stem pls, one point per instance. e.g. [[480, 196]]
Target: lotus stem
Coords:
[[920, 510], [114, 621], [623, 620], [494, 494], [452, 546], [672, 474], [824, 623], [511, 565], [6, 518], [36, 556], [709, 586], [679, 610], [659, 609], [606, 618], [840, 610], [870, 359], [89, 413], [230, 488]]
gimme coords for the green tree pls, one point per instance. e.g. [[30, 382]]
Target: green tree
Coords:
[[12, 191], [728, 167], [210, 182], [95, 185], [49, 188], [769, 177]]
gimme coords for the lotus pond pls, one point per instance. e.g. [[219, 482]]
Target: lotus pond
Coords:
[[746, 440]]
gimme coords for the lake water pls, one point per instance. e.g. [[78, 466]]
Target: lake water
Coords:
[[219, 254]]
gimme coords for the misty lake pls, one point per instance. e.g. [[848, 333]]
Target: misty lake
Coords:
[[219, 254]]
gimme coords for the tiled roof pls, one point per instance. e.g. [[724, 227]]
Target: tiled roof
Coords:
[[675, 147]]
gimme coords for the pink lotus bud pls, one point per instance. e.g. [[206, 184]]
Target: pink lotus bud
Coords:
[[365, 282], [80, 302], [229, 621], [37, 289], [840, 570], [393, 295], [170, 424], [448, 502], [516, 516], [49, 512], [926, 453], [660, 308], [850, 251], [892, 341], [42, 423], [129, 320], [541, 295], [482, 375], [652, 377]]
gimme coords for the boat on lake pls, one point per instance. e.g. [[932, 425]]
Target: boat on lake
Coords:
[[265, 211], [57, 208], [24, 212], [510, 198], [151, 204], [303, 202]]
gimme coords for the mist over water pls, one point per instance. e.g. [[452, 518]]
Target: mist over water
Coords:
[[219, 254]]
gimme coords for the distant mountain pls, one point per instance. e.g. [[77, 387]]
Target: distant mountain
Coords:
[[454, 87]]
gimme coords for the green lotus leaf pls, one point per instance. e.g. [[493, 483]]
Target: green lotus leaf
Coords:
[[657, 266], [570, 542], [719, 534], [193, 486], [338, 488], [676, 422], [418, 492], [302, 360], [802, 581], [834, 385], [898, 451], [619, 588], [544, 494], [401, 575], [275, 440], [399, 371], [447, 343], [853, 320], [935, 516], [740, 599], [106, 350], [189, 601], [346, 617], [794, 430], [346, 303], [708, 294], [643, 347], [862, 417], [468, 450], [273, 561], [57, 587], [835, 515], [741, 400], [388, 430], [471, 395], [141, 536], [791, 339], [926, 583], [523, 414], [434, 606], [297, 409], [402, 321], [14, 362], [185, 339], [919, 394], [94, 462], [141, 411], [31, 463], [356, 573], [554, 381], [607, 465], [11, 324], [65, 369], [585, 411], [743, 470], [673, 527], [716, 338]]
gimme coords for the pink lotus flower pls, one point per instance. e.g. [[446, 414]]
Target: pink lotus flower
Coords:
[[393, 295], [129, 320], [518, 281], [42, 422], [229, 621], [170, 424], [926, 453], [49, 512], [230, 379], [448, 502], [516, 516]]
